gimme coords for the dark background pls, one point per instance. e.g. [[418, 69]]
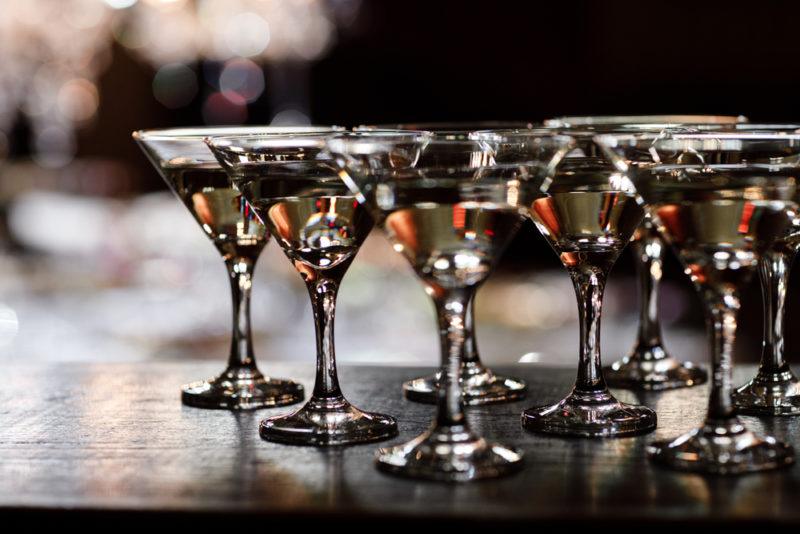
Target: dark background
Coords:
[[449, 60]]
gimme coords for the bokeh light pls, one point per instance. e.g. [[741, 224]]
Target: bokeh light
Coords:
[[241, 80], [247, 34], [78, 100], [221, 109], [53, 54], [54, 145], [290, 117], [175, 85], [120, 4]]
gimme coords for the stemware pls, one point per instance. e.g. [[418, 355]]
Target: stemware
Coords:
[[195, 177], [649, 366], [588, 214], [295, 190], [479, 383], [450, 211], [775, 390], [721, 200]]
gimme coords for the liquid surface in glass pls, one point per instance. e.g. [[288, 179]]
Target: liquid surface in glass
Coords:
[[318, 223], [587, 227], [719, 230], [451, 231], [218, 208]]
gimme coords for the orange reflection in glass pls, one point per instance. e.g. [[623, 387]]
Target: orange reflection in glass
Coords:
[[203, 209], [544, 209], [401, 225], [669, 216], [747, 214], [281, 221]]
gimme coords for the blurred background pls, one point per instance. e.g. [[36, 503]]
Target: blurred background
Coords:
[[100, 263]]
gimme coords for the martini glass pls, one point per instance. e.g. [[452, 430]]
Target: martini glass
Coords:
[[722, 200], [295, 190], [480, 385], [450, 211], [588, 213], [649, 366], [195, 177], [775, 390]]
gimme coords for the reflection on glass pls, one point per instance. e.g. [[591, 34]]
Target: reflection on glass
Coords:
[[775, 390], [195, 177], [479, 384], [722, 200], [296, 192], [588, 214], [648, 366], [450, 211]]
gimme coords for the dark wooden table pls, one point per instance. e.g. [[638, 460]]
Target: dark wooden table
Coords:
[[114, 439]]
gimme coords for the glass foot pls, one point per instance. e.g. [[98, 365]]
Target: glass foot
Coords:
[[769, 394], [591, 414], [327, 422], [449, 454], [241, 389], [479, 385], [726, 448], [653, 371]]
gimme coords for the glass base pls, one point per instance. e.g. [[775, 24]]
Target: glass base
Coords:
[[479, 385], [592, 415], [768, 393], [327, 422], [449, 454], [722, 448], [651, 369], [241, 389]]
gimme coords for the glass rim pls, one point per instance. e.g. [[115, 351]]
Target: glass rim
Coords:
[[367, 138], [593, 120], [201, 132], [246, 143], [634, 128], [554, 134], [620, 139], [761, 126], [367, 143], [440, 127]]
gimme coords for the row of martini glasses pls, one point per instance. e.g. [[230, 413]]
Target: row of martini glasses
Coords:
[[450, 199]]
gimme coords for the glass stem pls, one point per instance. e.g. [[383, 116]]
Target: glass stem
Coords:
[[722, 324], [451, 309], [774, 274], [589, 284], [240, 272], [471, 343], [323, 293], [649, 250]]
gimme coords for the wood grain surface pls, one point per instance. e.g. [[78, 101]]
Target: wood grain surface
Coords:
[[115, 438]]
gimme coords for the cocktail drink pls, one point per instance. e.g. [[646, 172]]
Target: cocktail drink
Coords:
[[480, 384], [450, 210], [722, 201], [295, 190], [196, 178], [775, 390], [588, 214], [648, 366]]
